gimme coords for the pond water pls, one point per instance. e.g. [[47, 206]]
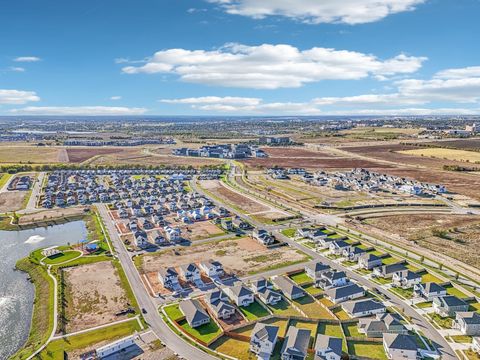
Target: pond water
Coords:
[[16, 292]]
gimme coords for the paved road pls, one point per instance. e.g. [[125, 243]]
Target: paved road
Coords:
[[152, 317], [36, 189]]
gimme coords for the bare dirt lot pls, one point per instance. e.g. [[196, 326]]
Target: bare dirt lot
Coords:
[[12, 200], [294, 152], [78, 155], [246, 204], [94, 295], [200, 230], [45, 215], [240, 256], [453, 235]]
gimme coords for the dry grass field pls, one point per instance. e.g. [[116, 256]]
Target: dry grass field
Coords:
[[447, 154], [241, 256], [453, 235], [94, 295], [29, 154], [80, 154], [12, 200]]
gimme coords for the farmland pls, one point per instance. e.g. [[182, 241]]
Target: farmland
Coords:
[[448, 154], [29, 154]]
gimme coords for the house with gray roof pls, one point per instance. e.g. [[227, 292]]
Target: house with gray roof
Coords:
[[240, 295], [400, 346], [328, 348], [190, 272], [338, 246], [168, 277], [344, 293], [265, 292], [361, 308], [217, 302], [352, 253], [429, 291], [315, 270], [194, 313], [331, 279], [369, 261], [406, 279], [295, 345], [383, 323], [387, 271], [288, 287], [449, 305], [263, 340], [467, 322]]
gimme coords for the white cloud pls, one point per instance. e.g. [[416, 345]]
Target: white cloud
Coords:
[[17, 97], [407, 111], [27, 59], [227, 100], [78, 110], [16, 69], [115, 98], [272, 66], [319, 11]]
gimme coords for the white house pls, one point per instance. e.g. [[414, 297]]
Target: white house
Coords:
[[212, 268], [190, 272], [406, 279], [328, 348], [467, 322], [240, 295], [263, 340], [400, 346]]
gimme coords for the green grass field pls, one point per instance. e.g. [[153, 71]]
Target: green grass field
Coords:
[[351, 330], [312, 290], [454, 291], [367, 350], [205, 333], [173, 312], [289, 232], [301, 278], [283, 308], [445, 323], [311, 308], [426, 278], [254, 311], [232, 347], [63, 257], [341, 314]]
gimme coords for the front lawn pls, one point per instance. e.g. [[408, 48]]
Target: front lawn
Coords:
[[301, 278], [289, 232], [173, 312], [405, 293], [445, 323], [205, 333], [254, 311], [424, 305], [426, 278], [451, 290], [367, 350]]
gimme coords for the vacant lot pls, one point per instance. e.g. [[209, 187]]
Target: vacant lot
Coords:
[[94, 295], [242, 256], [29, 154], [243, 203], [78, 155], [453, 235], [12, 200], [47, 215], [200, 230], [448, 154], [462, 144]]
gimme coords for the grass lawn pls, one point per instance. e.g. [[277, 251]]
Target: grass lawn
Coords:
[[445, 323], [246, 330], [306, 325], [471, 355], [363, 247], [351, 330], [454, 291], [390, 260], [368, 350], [426, 278], [289, 232], [363, 271], [311, 308], [341, 314], [326, 302], [406, 293], [312, 290], [63, 257], [4, 179], [173, 312], [329, 329], [42, 318], [412, 267], [376, 252], [475, 307], [254, 311], [349, 263], [281, 323], [424, 305], [205, 333], [301, 278], [55, 349], [284, 308], [232, 347], [462, 339], [381, 280]]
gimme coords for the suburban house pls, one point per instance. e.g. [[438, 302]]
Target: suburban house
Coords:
[[406, 279], [353, 253], [295, 345], [194, 313], [383, 323], [190, 272], [239, 223], [429, 291], [476, 344], [240, 295], [332, 279], [315, 270], [467, 322], [338, 246], [219, 305], [168, 277], [400, 346], [212, 268], [263, 236], [387, 271], [363, 308], [449, 305], [227, 224], [288, 287], [344, 293], [328, 348], [264, 291], [369, 261], [263, 340]]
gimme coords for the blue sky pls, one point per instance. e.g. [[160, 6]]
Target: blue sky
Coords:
[[239, 57]]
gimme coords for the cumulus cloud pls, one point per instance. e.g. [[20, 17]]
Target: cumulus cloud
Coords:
[[17, 97], [319, 11], [217, 100], [27, 59], [78, 110], [272, 66]]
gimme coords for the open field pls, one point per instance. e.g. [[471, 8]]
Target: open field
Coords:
[[46, 215], [461, 144], [242, 202], [12, 200], [200, 230], [379, 133], [241, 256], [448, 154], [457, 236], [94, 295], [81, 154], [29, 154]]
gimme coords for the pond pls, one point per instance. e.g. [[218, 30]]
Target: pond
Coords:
[[16, 292]]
